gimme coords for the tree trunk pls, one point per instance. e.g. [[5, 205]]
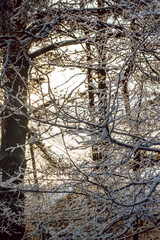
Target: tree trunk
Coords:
[[13, 136], [14, 76], [101, 73]]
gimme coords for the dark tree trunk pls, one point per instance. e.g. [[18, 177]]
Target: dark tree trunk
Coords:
[[14, 121], [13, 136], [101, 74]]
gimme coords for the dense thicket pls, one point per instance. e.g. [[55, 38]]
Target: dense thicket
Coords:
[[93, 136]]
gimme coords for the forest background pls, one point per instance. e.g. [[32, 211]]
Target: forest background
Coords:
[[79, 158]]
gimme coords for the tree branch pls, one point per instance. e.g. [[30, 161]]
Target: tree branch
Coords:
[[137, 147], [55, 46]]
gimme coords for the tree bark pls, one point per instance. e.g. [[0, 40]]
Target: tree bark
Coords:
[[101, 74], [14, 121], [13, 136]]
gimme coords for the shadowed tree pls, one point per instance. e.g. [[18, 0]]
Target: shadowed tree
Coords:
[[14, 123]]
